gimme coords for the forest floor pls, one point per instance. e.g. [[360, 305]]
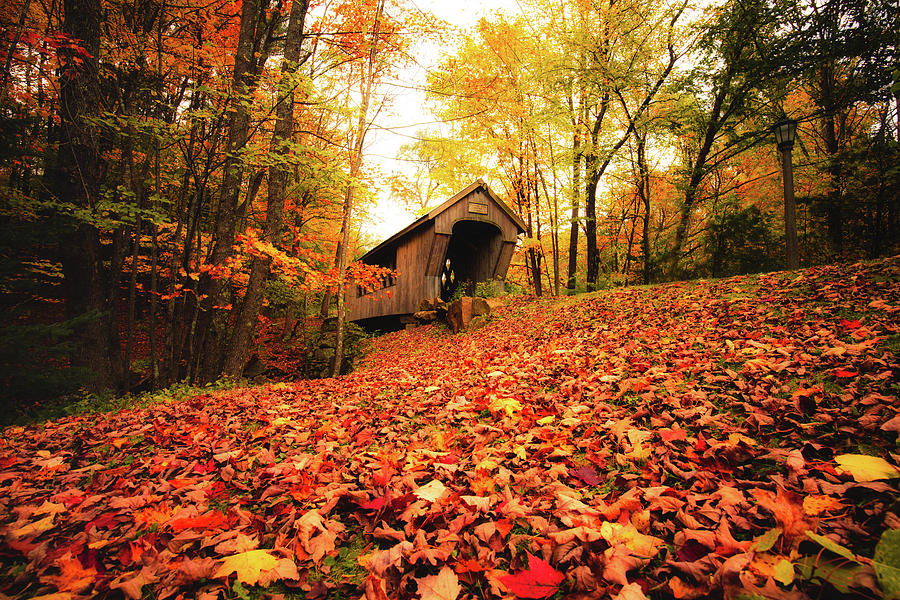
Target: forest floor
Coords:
[[689, 440]]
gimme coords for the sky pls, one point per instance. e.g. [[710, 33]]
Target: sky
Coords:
[[409, 113]]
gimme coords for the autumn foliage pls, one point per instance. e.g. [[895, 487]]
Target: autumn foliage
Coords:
[[696, 440]]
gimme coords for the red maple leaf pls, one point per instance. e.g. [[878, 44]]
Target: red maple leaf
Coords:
[[845, 373], [210, 520], [540, 580]]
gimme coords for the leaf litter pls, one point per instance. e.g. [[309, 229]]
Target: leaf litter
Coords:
[[705, 439]]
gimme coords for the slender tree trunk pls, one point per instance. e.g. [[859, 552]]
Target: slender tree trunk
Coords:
[[366, 86], [7, 67], [214, 321], [537, 253], [644, 193], [76, 178], [553, 207], [154, 307], [245, 323], [629, 251], [576, 194], [834, 201], [698, 172], [590, 218]]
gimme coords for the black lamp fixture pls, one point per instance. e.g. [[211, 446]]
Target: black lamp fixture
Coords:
[[785, 132]]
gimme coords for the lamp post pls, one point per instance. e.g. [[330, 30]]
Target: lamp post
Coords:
[[785, 132]]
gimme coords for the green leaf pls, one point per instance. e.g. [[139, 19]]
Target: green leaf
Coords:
[[887, 563], [240, 590], [784, 572], [832, 546], [765, 542], [835, 571]]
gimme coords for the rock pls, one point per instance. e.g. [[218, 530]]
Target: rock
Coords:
[[480, 307], [495, 303], [428, 304], [461, 312], [477, 322], [426, 316]]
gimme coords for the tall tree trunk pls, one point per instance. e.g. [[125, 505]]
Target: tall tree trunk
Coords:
[[698, 171], [576, 194], [214, 321], [590, 220], [592, 173], [7, 67], [245, 323], [366, 86], [76, 178], [644, 194], [834, 201], [553, 208]]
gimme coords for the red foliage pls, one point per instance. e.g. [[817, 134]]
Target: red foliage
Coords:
[[688, 440]]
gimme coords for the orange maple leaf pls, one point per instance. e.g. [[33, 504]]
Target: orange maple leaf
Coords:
[[813, 505], [787, 508], [73, 577]]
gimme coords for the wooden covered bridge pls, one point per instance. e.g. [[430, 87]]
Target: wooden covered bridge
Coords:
[[468, 239]]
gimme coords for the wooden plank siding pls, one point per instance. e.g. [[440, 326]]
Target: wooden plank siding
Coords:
[[422, 249], [444, 222]]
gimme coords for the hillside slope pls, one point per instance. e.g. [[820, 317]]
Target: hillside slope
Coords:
[[686, 440]]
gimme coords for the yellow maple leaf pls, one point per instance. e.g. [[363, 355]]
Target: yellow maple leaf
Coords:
[[32, 529], [509, 405], [640, 544], [637, 437], [866, 468], [247, 565]]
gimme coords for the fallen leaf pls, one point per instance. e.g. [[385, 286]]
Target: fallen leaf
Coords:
[[863, 467], [247, 565], [432, 491], [814, 505], [783, 572], [632, 591], [618, 561], [131, 584], [887, 563], [33, 529], [73, 577], [540, 580], [443, 586]]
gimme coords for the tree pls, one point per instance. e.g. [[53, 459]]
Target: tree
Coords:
[[623, 68], [733, 69], [279, 172], [257, 29], [845, 52], [76, 178]]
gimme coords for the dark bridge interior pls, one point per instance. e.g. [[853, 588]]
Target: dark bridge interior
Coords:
[[472, 257]]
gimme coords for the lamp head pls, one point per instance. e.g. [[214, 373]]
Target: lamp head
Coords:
[[785, 132]]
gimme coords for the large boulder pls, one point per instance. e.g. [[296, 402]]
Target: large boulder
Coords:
[[429, 304], [426, 316], [461, 312]]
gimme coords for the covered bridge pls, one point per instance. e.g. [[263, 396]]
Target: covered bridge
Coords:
[[468, 239]]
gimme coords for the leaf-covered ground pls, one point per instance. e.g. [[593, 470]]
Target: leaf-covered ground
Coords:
[[701, 439]]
